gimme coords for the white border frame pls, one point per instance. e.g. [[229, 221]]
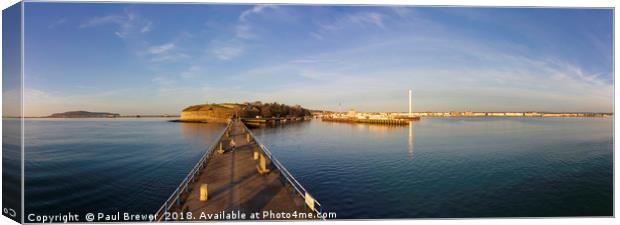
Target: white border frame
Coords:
[[506, 3]]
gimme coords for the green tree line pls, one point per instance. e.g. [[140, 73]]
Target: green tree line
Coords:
[[268, 110]]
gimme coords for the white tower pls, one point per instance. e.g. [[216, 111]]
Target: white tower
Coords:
[[410, 103]]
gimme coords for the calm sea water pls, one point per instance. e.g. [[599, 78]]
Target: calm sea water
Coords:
[[109, 165], [437, 167], [453, 167]]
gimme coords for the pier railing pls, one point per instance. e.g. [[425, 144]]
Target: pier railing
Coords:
[[175, 198], [288, 177]]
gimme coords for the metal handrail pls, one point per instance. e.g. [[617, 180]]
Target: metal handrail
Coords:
[[190, 177], [289, 177]]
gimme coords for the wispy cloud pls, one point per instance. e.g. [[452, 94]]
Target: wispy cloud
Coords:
[[103, 20], [162, 81], [358, 19], [312, 61], [401, 11], [167, 52], [129, 23], [169, 57], [161, 49], [165, 85], [258, 9], [480, 78], [227, 52], [146, 28], [317, 36], [365, 18], [191, 72], [57, 23], [364, 57], [244, 29]]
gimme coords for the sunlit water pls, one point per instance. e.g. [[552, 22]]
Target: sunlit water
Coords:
[[109, 165], [438, 167], [453, 167]]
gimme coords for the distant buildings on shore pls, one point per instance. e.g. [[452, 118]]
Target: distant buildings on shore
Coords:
[[506, 114], [393, 115], [353, 115]]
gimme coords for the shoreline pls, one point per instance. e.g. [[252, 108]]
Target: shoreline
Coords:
[[398, 115], [189, 121]]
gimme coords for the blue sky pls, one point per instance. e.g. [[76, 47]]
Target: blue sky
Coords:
[[11, 67], [151, 59]]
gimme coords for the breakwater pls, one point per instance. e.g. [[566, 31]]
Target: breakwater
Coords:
[[369, 121], [418, 115], [509, 114]]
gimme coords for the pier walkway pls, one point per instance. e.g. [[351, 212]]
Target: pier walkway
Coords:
[[246, 179]]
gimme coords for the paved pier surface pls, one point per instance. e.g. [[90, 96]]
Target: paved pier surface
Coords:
[[235, 184]]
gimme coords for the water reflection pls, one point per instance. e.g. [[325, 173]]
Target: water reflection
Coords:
[[410, 140], [382, 132], [197, 133], [564, 168], [137, 162]]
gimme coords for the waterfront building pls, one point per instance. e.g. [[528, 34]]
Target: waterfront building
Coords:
[[352, 113], [514, 114]]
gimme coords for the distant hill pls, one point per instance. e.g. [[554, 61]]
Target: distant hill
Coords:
[[84, 114]]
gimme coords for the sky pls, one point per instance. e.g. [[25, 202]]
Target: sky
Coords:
[[160, 58], [11, 67]]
